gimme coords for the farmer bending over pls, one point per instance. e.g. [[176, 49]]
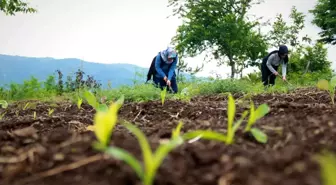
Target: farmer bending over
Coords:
[[163, 69], [270, 64]]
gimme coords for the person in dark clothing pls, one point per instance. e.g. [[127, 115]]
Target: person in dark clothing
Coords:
[[163, 69], [270, 64]]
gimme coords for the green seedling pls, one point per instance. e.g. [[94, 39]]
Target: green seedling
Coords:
[[17, 113], [176, 132], [152, 161], [2, 115], [328, 86], [163, 95], [327, 162], [231, 111], [79, 102], [26, 106], [104, 122], [213, 135], [3, 104], [260, 112], [91, 99], [50, 111], [34, 115]]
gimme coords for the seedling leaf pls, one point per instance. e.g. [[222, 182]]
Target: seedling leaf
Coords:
[[259, 135], [261, 111], [127, 158], [177, 130], [239, 122], [102, 108], [230, 113], [323, 84], [333, 82], [3, 104], [163, 95], [205, 134], [104, 122], [146, 150], [328, 168], [91, 99]]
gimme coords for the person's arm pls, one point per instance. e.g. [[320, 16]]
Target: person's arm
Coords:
[[268, 63], [157, 66], [284, 69], [172, 68]]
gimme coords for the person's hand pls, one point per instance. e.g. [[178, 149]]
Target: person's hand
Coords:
[[165, 79], [284, 78], [276, 73], [168, 83]]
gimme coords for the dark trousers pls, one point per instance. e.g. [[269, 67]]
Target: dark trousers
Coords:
[[267, 77], [162, 84]]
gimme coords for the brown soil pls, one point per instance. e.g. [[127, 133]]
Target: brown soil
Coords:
[[57, 149]]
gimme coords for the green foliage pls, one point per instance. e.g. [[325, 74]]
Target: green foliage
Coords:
[[163, 95], [282, 33], [152, 161], [328, 86], [260, 112], [11, 7], [3, 104], [327, 163], [310, 59], [92, 100], [220, 27], [325, 17], [104, 122]]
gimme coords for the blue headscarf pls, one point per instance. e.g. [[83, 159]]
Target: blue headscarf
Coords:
[[168, 53]]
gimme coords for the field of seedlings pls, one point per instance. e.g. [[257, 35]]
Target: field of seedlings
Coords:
[[204, 141]]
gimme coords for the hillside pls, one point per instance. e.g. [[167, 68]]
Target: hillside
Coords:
[[17, 69]]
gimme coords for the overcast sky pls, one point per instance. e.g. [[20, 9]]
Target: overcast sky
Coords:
[[113, 31]]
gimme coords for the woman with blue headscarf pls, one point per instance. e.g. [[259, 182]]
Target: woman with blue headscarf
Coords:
[[165, 64]]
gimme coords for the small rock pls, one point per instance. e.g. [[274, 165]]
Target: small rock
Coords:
[[59, 157], [25, 132], [225, 158]]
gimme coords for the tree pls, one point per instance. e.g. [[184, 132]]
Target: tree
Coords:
[[282, 33], [11, 7], [325, 17], [221, 28]]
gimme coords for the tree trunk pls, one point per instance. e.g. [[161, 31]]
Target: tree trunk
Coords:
[[232, 64]]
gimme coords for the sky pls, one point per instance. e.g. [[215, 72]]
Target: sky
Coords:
[[116, 31]]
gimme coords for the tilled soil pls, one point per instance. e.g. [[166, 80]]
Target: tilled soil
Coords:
[[57, 149]]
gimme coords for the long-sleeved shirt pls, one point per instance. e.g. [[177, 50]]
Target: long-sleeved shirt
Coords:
[[164, 70], [275, 60]]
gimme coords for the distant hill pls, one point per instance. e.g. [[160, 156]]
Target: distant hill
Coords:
[[18, 68]]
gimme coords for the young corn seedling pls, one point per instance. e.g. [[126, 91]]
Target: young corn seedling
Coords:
[[261, 111], [104, 122], [213, 135], [50, 111], [34, 115], [79, 102], [328, 86], [2, 115], [327, 163], [91, 99], [163, 95], [152, 161], [3, 104], [26, 106]]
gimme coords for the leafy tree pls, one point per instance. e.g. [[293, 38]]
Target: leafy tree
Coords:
[[11, 7], [310, 59], [325, 17], [220, 28], [282, 33]]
